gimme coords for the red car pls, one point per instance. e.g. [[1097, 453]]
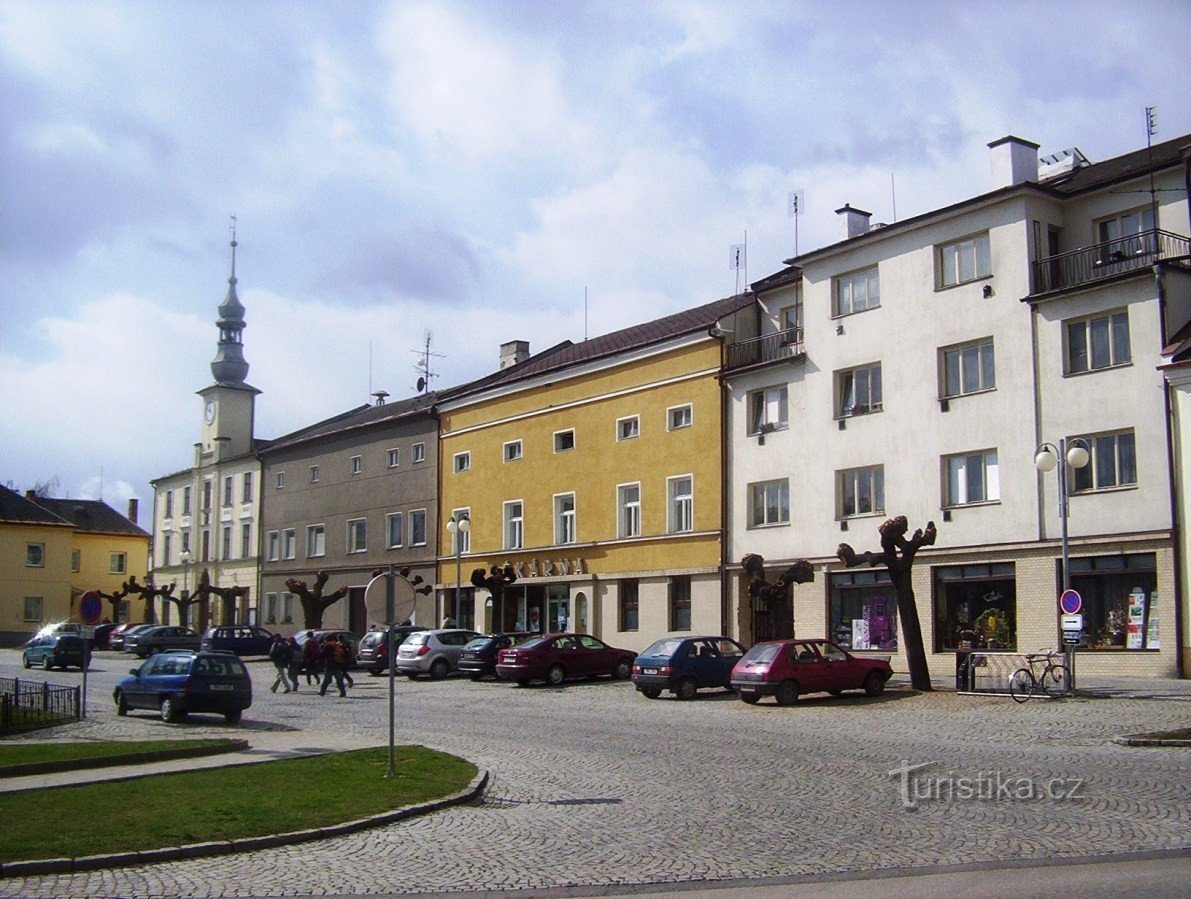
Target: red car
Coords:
[[787, 669], [555, 657]]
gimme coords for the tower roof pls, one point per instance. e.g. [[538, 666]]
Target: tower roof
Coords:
[[229, 366]]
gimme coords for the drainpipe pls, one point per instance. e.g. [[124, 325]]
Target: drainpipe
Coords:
[[725, 442], [1172, 480]]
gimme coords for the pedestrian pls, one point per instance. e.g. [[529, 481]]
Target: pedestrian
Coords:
[[295, 660], [332, 655], [311, 658], [449, 622], [279, 655]]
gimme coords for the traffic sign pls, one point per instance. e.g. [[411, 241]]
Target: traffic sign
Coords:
[[1073, 622], [91, 607], [1070, 602]]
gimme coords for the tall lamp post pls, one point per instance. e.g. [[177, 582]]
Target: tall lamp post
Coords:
[[185, 575], [458, 526]]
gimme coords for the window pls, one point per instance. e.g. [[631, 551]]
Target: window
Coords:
[[1113, 462], [357, 464], [972, 478], [247, 497], [289, 543], [513, 525], [273, 545], [768, 409], [227, 491], [1125, 235], [33, 605], [166, 553], [417, 527], [270, 608], [628, 504], [769, 503], [862, 609], [186, 500], [564, 441], [394, 530], [169, 504], [316, 540], [681, 504], [1098, 342], [225, 542], [246, 541], [965, 260], [680, 602], [512, 451], [678, 417], [564, 518], [462, 462], [861, 491], [287, 608], [628, 428], [419, 452], [975, 607], [858, 391], [790, 318], [969, 368], [186, 541], [629, 598], [394, 458], [313, 474], [461, 539], [206, 495], [280, 480], [857, 292], [1118, 594], [35, 555], [357, 535]]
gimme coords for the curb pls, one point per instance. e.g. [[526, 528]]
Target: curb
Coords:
[[110, 761], [248, 844], [1142, 740]]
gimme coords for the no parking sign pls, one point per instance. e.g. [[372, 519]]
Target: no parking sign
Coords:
[[91, 607]]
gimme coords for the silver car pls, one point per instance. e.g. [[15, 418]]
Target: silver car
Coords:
[[433, 652]]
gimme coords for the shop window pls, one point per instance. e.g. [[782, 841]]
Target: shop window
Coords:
[[975, 607], [628, 604], [862, 610], [1119, 593], [680, 602]]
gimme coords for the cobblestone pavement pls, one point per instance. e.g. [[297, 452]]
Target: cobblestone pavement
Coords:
[[593, 784]]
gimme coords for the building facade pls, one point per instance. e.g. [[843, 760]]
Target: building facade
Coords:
[[35, 560]]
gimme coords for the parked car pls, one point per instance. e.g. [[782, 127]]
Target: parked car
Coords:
[[102, 634], [683, 665], [787, 669], [435, 652], [116, 637], [242, 639], [350, 641], [177, 683], [556, 657], [55, 650], [373, 651], [479, 656], [158, 638]]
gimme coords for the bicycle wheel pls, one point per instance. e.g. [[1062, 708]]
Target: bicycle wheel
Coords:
[[1021, 685], [1056, 680]]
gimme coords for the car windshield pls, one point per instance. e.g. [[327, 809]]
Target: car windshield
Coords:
[[664, 648], [418, 639], [766, 652], [227, 667], [479, 643], [531, 644], [371, 639]]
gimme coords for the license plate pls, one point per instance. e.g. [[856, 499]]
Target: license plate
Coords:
[[748, 689], [222, 687], [471, 655], [649, 670]]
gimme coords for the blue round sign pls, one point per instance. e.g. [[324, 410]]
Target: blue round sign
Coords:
[[1070, 602], [91, 607]]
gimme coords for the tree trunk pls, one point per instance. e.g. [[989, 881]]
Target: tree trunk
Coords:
[[907, 610]]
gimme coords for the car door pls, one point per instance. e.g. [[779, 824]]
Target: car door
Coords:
[[137, 692], [593, 657], [727, 654], [695, 658], [843, 672], [808, 667]]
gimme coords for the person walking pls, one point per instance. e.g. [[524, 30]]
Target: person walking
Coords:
[[295, 660], [332, 656], [311, 658], [279, 655]]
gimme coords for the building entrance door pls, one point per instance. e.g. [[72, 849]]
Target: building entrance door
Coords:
[[558, 608]]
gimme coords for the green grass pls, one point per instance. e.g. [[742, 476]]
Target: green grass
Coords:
[[26, 753], [223, 803]]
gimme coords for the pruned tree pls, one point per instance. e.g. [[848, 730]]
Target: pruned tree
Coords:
[[776, 596], [495, 580], [115, 599], [315, 602], [148, 592], [897, 555], [206, 590]]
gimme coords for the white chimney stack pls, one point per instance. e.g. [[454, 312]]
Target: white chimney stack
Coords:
[[1014, 161], [853, 222], [513, 352]]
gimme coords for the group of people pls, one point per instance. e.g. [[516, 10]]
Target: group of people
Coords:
[[324, 660]]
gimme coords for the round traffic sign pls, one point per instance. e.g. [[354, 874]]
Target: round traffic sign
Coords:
[[1070, 602], [91, 607]]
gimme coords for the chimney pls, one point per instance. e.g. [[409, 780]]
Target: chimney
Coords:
[[31, 495], [513, 352], [853, 222], [1014, 161], [133, 508]]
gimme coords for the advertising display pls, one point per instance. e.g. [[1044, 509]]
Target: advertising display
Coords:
[[1152, 641], [1135, 638]]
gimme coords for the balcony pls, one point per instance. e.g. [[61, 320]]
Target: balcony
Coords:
[[1108, 260], [770, 348]]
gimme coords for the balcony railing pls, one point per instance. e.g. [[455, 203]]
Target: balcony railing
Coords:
[[770, 348], [1106, 260]]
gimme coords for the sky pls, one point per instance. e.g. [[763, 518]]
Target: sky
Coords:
[[471, 171]]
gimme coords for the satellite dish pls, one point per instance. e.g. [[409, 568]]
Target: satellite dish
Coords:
[[421, 384]]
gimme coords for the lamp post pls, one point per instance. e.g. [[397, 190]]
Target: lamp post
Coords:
[[458, 526], [185, 577]]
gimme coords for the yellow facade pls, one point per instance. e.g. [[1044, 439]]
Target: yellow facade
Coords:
[[99, 571], [50, 581]]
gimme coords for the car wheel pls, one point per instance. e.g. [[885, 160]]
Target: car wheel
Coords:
[[523, 682], [440, 669], [556, 675], [25, 660], [477, 677], [233, 717], [874, 684], [45, 663], [750, 698], [686, 688], [623, 670], [121, 704], [412, 675], [170, 711], [376, 670], [650, 692], [787, 693]]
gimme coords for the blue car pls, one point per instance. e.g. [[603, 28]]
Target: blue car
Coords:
[[177, 683], [684, 665], [241, 639], [55, 650]]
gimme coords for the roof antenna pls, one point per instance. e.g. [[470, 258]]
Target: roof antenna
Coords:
[[893, 193], [585, 312], [423, 365], [1151, 130], [795, 206]]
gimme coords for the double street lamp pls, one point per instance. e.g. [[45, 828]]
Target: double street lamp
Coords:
[[458, 526], [185, 556]]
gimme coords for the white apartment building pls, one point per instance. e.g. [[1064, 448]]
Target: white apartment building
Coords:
[[915, 369]]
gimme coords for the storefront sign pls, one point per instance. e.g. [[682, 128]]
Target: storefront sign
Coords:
[[1137, 617]]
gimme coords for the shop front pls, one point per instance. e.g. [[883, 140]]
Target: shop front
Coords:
[[862, 610], [975, 607], [1120, 599]]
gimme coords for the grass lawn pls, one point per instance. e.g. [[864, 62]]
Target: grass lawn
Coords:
[[223, 803], [25, 753]]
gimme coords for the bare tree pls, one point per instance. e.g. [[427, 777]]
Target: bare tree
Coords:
[[206, 590], [314, 602], [893, 542], [495, 580], [776, 596], [148, 592]]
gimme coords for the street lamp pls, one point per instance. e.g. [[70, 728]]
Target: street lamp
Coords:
[[185, 574], [458, 525]]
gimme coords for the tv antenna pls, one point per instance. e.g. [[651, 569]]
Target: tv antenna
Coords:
[[795, 207], [422, 366], [738, 261]]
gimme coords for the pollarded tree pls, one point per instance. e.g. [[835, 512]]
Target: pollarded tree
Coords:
[[148, 592], [776, 596], [314, 602], [897, 555], [495, 581]]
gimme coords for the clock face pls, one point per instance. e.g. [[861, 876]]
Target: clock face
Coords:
[[210, 410]]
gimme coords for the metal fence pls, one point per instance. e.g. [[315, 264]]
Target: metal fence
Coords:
[[27, 704], [989, 672]]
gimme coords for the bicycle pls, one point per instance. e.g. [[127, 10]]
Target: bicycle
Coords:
[[1054, 680]]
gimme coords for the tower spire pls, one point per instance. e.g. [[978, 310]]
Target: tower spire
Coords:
[[229, 366]]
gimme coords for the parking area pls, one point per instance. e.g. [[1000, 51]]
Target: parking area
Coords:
[[593, 784]]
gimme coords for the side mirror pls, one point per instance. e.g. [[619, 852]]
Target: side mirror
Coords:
[[136, 671]]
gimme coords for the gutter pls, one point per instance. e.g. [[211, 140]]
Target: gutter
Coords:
[[1172, 474]]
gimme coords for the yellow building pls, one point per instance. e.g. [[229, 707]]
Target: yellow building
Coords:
[[595, 470], [35, 546]]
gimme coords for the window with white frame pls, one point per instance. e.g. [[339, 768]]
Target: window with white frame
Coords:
[[246, 540], [857, 291], [1125, 235], [185, 541], [417, 527], [860, 491], [680, 501], [117, 563], [1113, 462], [394, 458], [246, 492], [316, 540], [628, 505], [227, 490], [357, 535], [462, 462], [287, 608], [225, 542], [186, 500], [166, 549], [273, 546], [968, 367], [858, 390], [1098, 341], [564, 441], [33, 607], [971, 478], [512, 451], [76, 557], [628, 427], [270, 608], [289, 543], [768, 409], [461, 539], [280, 479], [678, 417], [394, 530], [418, 451], [169, 504], [564, 518], [314, 474], [514, 525], [769, 503], [357, 464], [964, 260], [35, 555], [790, 318]]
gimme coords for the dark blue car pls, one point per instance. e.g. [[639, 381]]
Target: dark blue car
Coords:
[[241, 639], [684, 665], [177, 683]]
